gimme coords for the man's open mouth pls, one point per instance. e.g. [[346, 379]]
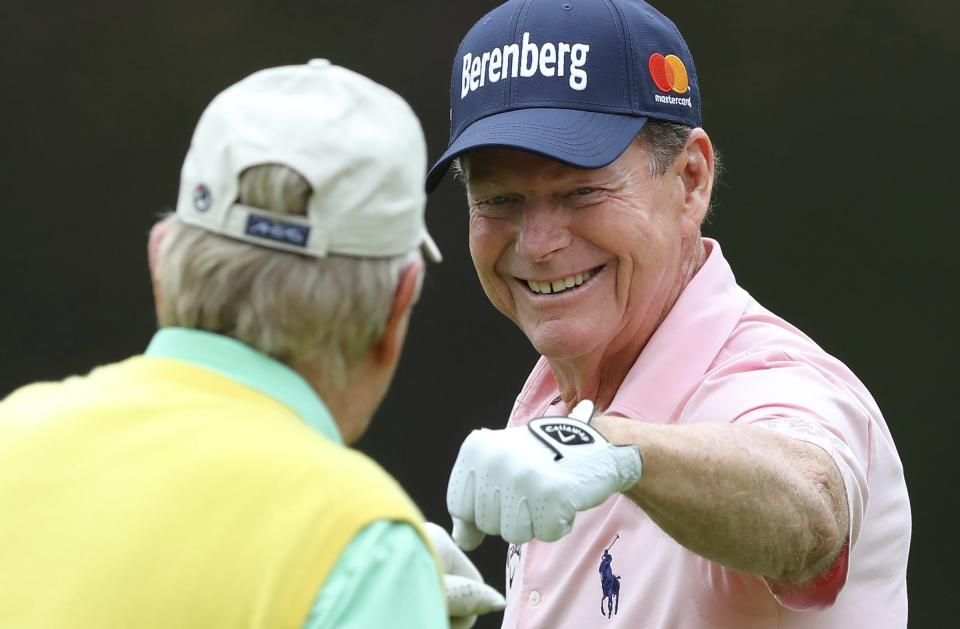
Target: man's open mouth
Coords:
[[562, 285]]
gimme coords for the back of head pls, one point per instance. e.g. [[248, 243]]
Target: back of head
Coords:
[[301, 202]]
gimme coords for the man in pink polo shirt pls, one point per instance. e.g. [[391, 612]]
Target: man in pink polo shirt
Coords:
[[680, 456]]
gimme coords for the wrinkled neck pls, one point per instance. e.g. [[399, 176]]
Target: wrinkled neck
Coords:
[[598, 376]]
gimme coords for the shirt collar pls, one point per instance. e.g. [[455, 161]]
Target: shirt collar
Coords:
[[675, 358], [240, 362]]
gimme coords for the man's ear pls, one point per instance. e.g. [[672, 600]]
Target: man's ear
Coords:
[[387, 350], [695, 165], [157, 233]]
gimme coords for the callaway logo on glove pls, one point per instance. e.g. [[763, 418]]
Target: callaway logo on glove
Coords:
[[529, 482]]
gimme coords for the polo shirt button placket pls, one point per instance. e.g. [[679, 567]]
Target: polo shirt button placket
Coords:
[[534, 598]]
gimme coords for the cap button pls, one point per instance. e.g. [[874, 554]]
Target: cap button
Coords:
[[319, 63]]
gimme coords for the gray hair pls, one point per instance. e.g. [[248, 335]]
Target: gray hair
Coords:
[[664, 141], [323, 312]]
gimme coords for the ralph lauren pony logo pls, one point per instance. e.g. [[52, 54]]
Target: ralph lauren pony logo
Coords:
[[609, 582]]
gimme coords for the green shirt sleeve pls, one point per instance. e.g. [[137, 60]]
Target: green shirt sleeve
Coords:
[[386, 577]]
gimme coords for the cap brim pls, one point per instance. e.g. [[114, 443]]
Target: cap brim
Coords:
[[430, 249], [583, 139]]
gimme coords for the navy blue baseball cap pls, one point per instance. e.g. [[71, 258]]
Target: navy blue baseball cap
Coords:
[[573, 80]]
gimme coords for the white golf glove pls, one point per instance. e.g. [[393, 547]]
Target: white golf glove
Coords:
[[467, 595], [529, 482]]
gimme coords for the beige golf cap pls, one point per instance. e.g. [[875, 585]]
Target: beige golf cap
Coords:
[[357, 143]]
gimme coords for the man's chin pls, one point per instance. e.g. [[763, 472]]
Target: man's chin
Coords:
[[562, 342]]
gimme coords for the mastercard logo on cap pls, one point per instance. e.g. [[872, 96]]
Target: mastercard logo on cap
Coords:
[[668, 73]]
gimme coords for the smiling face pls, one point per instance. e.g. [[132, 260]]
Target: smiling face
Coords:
[[585, 262]]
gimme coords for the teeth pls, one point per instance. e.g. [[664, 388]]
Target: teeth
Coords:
[[559, 286]]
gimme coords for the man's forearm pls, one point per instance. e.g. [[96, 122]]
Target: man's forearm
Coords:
[[751, 499]]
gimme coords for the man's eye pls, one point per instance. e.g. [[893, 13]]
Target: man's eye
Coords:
[[584, 191], [493, 206]]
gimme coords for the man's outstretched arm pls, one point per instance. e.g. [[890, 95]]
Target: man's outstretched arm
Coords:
[[751, 499], [747, 497]]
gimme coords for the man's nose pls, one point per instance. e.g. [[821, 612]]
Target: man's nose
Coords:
[[543, 231]]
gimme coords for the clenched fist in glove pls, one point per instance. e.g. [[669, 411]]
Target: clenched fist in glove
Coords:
[[467, 595], [529, 482]]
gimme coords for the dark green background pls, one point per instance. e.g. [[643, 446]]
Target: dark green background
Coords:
[[837, 210]]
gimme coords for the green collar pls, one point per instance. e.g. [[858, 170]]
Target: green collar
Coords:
[[246, 365]]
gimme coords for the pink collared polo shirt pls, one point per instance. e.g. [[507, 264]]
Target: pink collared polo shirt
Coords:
[[719, 356]]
